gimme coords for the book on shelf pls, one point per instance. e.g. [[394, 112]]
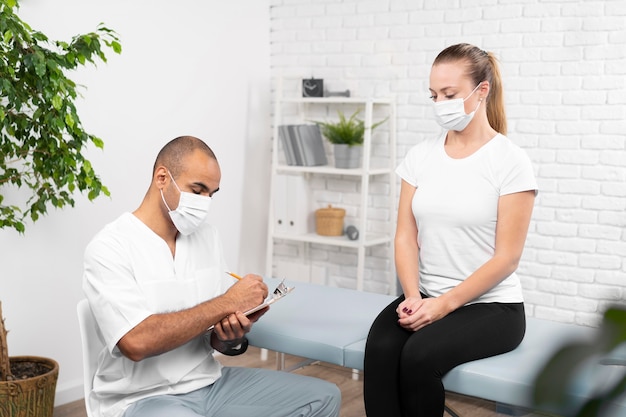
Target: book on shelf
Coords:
[[302, 145]]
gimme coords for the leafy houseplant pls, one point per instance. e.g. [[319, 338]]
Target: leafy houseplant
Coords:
[[563, 370], [41, 135], [347, 136], [41, 145]]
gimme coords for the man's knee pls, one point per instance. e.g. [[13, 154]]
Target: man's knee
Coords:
[[330, 400]]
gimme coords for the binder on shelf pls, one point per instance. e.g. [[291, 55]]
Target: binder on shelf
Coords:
[[303, 145], [312, 145], [292, 212], [285, 138], [280, 204], [296, 143]]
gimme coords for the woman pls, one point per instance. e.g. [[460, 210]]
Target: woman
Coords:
[[465, 205]]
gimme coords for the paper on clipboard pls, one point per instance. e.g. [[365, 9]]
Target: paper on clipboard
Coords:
[[281, 291]]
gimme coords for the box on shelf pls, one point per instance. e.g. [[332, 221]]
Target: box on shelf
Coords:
[[329, 221]]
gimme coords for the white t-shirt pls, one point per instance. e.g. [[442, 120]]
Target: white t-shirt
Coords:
[[455, 207], [129, 275]]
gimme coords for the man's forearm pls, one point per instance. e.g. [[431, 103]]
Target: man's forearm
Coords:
[[160, 333]]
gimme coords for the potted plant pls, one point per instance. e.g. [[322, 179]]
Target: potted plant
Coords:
[[347, 136], [563, 371], [41, 145]]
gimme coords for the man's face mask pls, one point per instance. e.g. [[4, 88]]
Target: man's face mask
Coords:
[[450, 114], [191, 212]]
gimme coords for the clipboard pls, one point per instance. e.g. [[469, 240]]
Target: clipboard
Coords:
[[281, 291]]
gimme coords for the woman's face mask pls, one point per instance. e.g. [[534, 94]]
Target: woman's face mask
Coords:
[[450, 114], [191, 212]]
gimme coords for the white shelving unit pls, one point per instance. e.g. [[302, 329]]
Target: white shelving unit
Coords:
[[364, 174]]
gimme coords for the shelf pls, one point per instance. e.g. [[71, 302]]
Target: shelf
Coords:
[[371, 239], [337, 100], [372, 165], [327, 169]]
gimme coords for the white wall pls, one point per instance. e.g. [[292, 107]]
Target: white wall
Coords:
[[564, 70], [188, 67]]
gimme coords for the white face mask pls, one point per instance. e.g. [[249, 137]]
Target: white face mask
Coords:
[[450, 114], [191, 212]]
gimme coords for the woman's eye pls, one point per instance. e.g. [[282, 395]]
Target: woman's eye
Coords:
[[433, 97], [451, 96]]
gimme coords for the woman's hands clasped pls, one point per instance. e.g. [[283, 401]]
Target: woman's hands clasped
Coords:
[[415, 313]]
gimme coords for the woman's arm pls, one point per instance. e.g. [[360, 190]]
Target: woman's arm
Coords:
[[514, 213], [405, 243]]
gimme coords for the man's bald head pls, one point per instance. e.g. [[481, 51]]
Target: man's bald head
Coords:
[[174, 152]]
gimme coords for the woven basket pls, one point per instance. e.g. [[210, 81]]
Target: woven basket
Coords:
[[329, 221], [31, 397]]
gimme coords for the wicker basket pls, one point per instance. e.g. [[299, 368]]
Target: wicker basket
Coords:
[[32, 397], [329, 221]]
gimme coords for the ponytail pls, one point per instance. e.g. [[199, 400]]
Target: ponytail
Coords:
[[482, 66], [495, 101]]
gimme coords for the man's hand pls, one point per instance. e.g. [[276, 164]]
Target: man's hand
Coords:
[[248, 292], [230, 331]]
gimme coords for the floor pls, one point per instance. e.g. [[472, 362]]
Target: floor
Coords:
[[351, 389]]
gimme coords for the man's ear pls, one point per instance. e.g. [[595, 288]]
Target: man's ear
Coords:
[[161, 177]]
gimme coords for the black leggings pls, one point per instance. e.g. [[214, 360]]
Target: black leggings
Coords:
[[403, 369]]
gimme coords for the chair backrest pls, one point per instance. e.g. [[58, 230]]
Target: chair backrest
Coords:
[[92, 346]]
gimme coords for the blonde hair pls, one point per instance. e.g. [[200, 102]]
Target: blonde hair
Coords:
[[481, 66]]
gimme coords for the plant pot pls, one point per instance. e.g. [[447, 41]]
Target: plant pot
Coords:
[[30, 397], [347, 156]]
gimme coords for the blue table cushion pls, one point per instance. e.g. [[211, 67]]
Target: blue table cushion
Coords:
[[331, 325], [302, 323]]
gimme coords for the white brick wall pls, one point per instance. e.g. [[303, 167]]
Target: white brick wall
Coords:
[[564, 69]]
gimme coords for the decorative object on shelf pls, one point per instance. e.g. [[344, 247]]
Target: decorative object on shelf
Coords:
[[337, 93], [329, 221], [302, 145], [352, 232], [313, 87], [347, 136]]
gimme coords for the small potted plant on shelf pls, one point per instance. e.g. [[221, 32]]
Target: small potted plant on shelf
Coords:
[[347, 137], [41, 150]]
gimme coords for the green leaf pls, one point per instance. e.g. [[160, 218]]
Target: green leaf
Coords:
[[57, 102], [8, 35], [69, 120], [98, 142], [117, 47]]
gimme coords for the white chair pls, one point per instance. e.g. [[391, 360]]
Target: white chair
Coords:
[[92, 346]]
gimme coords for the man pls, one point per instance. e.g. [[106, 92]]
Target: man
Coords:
[[155, 280]]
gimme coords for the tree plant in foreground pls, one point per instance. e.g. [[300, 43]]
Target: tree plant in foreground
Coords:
[[42, 139]]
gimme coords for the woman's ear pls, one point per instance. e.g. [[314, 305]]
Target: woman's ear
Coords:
[[483, 90]]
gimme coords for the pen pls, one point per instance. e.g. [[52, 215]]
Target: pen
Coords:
[[232, 274]]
